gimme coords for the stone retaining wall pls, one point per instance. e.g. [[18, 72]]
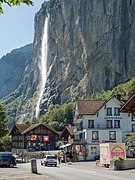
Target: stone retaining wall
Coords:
[[123, 164]]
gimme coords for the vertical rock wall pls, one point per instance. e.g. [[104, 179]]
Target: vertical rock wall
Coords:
[[91, 48]]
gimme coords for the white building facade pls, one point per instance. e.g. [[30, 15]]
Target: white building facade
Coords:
[[100, 121]]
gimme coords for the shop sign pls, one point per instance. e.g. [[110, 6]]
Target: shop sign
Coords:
[[118, 152]]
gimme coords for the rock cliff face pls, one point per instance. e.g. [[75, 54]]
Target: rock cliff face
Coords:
[[91, 47], [18, 83], [13, 67]]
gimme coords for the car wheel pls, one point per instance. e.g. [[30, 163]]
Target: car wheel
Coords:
[[45, 164], [55, 165], [11, 165], [41, 164]]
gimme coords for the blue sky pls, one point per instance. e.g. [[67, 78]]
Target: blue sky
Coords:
[[17, 26]]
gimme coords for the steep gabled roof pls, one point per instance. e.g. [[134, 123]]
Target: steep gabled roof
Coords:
[[33, 126], [19, 127], [129, 105], [86, 107], [23, 129], [69, 129]]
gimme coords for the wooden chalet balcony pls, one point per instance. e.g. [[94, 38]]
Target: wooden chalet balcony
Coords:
[[78, 130]]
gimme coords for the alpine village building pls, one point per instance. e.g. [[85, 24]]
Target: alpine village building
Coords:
[[35, 137], [95, 122], [100, 122], [129, 107]]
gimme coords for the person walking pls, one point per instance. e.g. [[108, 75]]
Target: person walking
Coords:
[[59, 158]]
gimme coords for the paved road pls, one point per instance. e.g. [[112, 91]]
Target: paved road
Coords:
[[86, 171], [79, 171]]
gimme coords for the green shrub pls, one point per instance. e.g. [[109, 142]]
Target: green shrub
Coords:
[[119, 159]]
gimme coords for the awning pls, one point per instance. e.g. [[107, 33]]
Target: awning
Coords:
[[66, 145]]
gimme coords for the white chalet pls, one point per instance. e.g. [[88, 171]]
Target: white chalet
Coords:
[[100, 121]]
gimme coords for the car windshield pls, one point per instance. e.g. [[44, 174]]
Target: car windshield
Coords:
[[50, 157]]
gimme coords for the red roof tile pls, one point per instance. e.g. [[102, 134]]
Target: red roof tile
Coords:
[[89, 106]]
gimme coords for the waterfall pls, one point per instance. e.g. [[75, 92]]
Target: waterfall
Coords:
[[43, 67]]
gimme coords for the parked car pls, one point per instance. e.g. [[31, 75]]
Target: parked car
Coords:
[[7, 159], [97, 157], [49, 160]]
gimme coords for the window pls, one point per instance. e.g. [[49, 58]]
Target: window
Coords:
[[133, 117], [81, 125], [82, 136], [93, 150], [130, 2], [112, 135], [95, 135], [133, 127], [116, 112], [116, 123], [109, 112], [109, 124], [90, 123]]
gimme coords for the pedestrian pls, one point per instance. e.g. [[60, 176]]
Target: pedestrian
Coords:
[[59, 158], [70, 156]]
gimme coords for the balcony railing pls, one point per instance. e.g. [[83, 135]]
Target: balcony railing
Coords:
[[78, 131], [79, 141]]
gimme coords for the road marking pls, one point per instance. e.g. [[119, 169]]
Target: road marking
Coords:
[[82, 170]]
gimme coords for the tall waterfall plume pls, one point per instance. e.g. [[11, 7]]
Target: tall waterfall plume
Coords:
[[43, 67]]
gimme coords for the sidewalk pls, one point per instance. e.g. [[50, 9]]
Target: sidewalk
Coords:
[[20, 173]]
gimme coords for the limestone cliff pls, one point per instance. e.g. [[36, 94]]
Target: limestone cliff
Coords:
[[13, 68], [18, 83], [91, 47]]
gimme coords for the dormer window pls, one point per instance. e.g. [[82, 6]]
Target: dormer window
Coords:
[[116, 112], [109, 111]]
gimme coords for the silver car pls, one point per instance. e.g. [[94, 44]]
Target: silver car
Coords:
[[49, 160]]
